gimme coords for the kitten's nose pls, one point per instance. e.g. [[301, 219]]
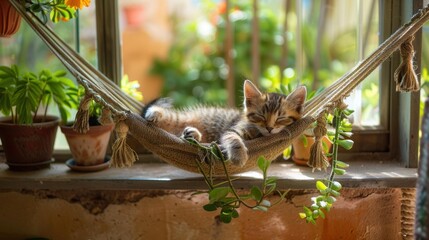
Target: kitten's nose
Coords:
[[269, 129]]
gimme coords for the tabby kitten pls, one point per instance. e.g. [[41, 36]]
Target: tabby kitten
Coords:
[[263, 114]]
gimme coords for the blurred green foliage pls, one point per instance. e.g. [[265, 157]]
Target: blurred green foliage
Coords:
[[195, 71]]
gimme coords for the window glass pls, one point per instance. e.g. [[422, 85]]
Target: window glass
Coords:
[[178, 48]]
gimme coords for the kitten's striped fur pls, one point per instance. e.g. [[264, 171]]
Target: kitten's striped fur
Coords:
[[263, 114]]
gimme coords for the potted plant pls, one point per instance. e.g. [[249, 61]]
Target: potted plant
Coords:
[[89, 149], [10, 18], [27, 132]]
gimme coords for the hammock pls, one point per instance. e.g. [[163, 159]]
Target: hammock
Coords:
[[179, 152]]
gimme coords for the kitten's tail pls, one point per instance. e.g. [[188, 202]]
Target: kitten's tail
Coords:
[[160, 102]]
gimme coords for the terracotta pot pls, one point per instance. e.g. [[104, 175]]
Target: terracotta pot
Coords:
[[301, 153], [9, 18], [134, 15], [88, 149], [28, 147]]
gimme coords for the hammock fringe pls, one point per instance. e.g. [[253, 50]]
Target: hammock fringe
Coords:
[[405, 76], [122, 154], [318, 159], [81, 123]]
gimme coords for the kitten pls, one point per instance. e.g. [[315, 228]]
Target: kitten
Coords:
[[263, 114]]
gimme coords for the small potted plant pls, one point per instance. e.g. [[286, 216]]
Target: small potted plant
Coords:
[[89, 149], [27, 132]]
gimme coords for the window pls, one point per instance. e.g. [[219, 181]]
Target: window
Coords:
[[326, 37], [302, 36]]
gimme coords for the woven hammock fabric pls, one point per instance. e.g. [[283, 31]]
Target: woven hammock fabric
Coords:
[[180, 153]]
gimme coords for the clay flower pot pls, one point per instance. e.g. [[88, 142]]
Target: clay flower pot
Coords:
[[28, 147], [88, 149], [301, 150], [9, 18]]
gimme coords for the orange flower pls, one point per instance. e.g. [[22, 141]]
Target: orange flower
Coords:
[[78, 3]]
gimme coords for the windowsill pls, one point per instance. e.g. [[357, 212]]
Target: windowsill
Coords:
[[164, 176]]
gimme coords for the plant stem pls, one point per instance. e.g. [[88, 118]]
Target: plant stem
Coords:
[[337, 115], [229, 180]]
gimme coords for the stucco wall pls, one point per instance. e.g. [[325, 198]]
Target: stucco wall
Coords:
[[155, 214]]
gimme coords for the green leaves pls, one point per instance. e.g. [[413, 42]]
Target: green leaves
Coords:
[[26, 98], [329, 188], [346, 144], [217, 194], [21, 95], [61, 12], [226, 197], [55, 10]]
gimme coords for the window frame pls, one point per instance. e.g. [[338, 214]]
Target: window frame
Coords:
[[397, 137]]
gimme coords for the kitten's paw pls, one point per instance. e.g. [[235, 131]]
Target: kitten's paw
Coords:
[[153, 114], [238, 156], [191, 132]]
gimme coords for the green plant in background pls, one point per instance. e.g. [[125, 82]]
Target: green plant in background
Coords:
[[131, 88], [55, 10], [329, 188], [224, 196], [22, 95]]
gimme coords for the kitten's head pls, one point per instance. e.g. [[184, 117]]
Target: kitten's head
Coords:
[[271, 112]]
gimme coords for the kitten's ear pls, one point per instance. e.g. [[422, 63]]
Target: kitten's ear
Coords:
[[298, 97], [251, 92]]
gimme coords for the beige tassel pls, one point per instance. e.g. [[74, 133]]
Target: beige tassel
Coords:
[[405, 76], [106, 117], [122, 154], [318, 159], [81, 123]]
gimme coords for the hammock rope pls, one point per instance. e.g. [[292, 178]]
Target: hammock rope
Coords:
[[179, 152]]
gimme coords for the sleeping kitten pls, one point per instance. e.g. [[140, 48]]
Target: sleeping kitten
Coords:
[[263, 114]]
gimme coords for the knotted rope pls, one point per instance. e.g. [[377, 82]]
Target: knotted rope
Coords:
[[405, 76]]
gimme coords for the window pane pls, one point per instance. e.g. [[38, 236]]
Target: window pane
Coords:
[[178, 48]]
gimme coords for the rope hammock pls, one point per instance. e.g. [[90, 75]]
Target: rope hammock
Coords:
[[179, 152]]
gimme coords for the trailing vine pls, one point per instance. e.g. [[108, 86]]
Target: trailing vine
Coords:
[[329, 188], [224, 196]]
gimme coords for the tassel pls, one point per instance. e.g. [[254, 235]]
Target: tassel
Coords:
[[405, 76], [318, 159], [106, 117], [81, 123], [122, 154]]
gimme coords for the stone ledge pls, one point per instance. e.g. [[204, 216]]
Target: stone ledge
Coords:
[[164, 176]]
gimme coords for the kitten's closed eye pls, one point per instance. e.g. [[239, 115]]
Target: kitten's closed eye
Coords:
[[285, 121], [255, 117]]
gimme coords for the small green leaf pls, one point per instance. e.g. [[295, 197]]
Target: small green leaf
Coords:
[[210, 207], [263, 164], [321, 186], [335, 193], [339, 171], [336, 185], [341, 164], [234, 214], [217, 194], [256, 193], [225, 218], [321, 214], [330, 200], [266, 203], [346, 143], [307, 211], [261, 208]]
